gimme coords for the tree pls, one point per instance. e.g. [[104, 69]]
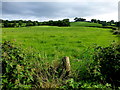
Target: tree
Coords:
[[29, 23], [94, 20], [75, 19], [51, 23], [112, 21], [98, 21], [20, 23], [117, 24], [79, 19], [66, 22], [35, 23], [104, 23]]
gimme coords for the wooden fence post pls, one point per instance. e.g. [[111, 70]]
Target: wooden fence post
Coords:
[[66, 65]]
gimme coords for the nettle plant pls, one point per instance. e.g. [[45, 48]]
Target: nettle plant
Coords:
[[15, 74]]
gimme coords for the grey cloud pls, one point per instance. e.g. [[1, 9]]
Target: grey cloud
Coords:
[[56, 9]]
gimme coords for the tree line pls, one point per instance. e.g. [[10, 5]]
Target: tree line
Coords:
[[104, 23], [24, 23], [64, 22]]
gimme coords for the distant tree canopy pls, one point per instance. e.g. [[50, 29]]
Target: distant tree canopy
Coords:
[[24, 23], [79, 19], [94, 20], [64, 22], [105, 23], [117, 24]]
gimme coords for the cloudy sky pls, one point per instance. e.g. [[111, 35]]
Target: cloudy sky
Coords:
[[53, 10]]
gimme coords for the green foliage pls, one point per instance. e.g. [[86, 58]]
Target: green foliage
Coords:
[[94, 20], [117, 24], [108, 62], [71, 84], [64, 22], [104, 23], [16, 70], [21, 23], [79, 19], [27, 70]]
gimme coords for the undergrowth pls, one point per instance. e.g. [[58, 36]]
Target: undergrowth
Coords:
[[23, 68]]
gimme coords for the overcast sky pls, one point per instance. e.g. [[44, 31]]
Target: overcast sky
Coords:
[[42, 11]]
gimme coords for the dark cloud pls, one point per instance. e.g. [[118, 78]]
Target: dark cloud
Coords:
[[55, 9]]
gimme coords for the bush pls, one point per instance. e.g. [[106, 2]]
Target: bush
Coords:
[[108, 62], [16, 69]]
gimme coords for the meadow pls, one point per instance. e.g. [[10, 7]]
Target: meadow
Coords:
[[53, 43], [32, 57]]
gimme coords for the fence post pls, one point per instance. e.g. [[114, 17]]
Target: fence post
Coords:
[[66, 65]]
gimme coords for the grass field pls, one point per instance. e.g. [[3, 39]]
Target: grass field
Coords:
[[54, 42], [85, 24]]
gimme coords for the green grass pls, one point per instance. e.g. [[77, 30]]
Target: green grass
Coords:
[[53, 42], [85, 24]]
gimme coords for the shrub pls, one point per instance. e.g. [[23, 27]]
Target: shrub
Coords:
[[108, 62], [16, 69]]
